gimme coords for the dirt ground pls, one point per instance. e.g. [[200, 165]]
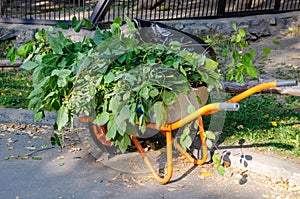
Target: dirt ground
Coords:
[[284, 60]]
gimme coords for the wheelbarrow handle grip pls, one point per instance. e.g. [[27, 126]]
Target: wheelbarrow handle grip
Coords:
[[282, 83], [229, 106]]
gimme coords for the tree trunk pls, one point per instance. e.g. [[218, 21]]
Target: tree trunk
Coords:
[[6, 63], [234, 87]]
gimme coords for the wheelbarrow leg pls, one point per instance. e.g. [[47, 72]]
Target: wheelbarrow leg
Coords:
[[167, 178], [203, 147]]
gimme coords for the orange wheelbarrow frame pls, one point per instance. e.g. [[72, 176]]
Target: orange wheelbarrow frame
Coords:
[[167, 129]]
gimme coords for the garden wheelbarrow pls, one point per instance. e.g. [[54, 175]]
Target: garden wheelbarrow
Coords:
[[166, 130]]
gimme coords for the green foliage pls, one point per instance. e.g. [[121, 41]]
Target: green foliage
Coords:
[[221, 169], [210, 138], [123, 79], [55, 140], [237, 54]]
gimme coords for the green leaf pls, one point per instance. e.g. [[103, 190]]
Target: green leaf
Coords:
[[110, 77], [252, 53], [24, 50], [238, 38], [11, 55], [50, 59], [55, 45], [210, 135], [74, 21], [216, 159], [185, 138], [239, 77], [190, 109], [233, 25], [38, 75], [35, 158], [211, 64], [144, 93], [115, 104], [242, 32], [124, 142], [62, 74], [208, 40], [29, 65], [123, 115], [221, 170], [63, 26], [102, 119], [36, 91], [12, 58], [62, 117], [209, 144], [267, 50], [161, 113], [111, 129], [33, 102], [277, 43], [118, 20], [153, 92], [98, 37], [78, 26], [55, 140], [142, 120], [87, 23], [169, 97], [251, 71], [115, 29], [39, 115]]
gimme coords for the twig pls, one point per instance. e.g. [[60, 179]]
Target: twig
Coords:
[[39, 150]]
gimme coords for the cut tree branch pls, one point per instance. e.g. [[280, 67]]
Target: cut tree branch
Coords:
[[234, 87]]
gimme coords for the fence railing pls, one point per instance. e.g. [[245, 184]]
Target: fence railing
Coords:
[[102, 11], [45, 11]]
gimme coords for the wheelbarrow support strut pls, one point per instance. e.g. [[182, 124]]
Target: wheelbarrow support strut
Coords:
[[229, 105]]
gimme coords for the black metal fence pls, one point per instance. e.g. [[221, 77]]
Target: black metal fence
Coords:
[[45, 11], [102, 11]]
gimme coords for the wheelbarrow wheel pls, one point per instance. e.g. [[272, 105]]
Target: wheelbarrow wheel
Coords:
[[93, 139]]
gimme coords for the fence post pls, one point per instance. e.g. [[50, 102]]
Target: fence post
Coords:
[[221, 8], [100, 10], [277, 5]]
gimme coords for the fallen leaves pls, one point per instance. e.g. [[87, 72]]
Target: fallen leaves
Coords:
[[31, 148], [205, 174], [73, 150]]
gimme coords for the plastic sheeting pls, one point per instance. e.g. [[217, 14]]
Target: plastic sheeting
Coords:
[[155, 32]]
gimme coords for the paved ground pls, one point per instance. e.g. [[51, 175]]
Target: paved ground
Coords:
[[284, 59], [30, 167]]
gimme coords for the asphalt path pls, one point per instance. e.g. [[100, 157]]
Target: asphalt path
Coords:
[[31, 168]]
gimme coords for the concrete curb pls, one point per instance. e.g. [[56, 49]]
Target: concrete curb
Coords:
[[9, 115], [239, 157], [273, 167]]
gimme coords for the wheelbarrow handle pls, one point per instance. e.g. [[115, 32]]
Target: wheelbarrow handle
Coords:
[[283, 83], [229, 106]]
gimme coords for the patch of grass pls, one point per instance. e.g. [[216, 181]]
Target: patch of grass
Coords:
[[15, 86], [295, 30], [266, 120]]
